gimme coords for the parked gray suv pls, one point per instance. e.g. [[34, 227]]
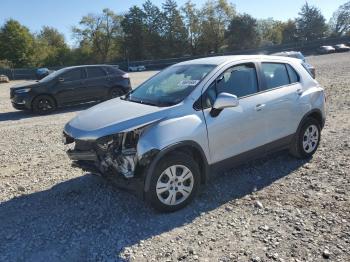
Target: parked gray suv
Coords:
[[165, 137]]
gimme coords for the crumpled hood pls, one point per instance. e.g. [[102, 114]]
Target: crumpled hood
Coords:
[[113, 116]]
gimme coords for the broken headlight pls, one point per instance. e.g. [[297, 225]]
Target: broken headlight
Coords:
[[118, 152]]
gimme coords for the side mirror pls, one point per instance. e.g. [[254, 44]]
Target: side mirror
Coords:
[[61, 79], [224, 100]]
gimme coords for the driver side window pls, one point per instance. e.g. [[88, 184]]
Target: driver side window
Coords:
[[72, 75], [240, 80]]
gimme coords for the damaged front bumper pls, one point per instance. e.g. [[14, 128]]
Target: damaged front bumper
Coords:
[[114, 157], [76, 155]]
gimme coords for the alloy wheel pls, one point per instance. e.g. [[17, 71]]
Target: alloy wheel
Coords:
[[44, 105], [310, 138], [174, 185]]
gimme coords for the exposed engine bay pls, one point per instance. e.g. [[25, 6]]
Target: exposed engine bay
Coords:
[[114, 154], [119, 153]]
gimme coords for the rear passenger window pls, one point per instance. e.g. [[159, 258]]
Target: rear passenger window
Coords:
[[293, 76], [239, 80], [95, 72], [275, 75]]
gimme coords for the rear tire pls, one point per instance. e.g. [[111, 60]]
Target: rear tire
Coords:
[[43, 104], [174, 183], [307, 139]]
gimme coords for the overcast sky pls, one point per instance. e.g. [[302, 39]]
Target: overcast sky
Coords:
[[63, 14]]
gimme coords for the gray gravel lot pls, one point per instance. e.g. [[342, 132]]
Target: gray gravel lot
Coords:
[[273, 209]]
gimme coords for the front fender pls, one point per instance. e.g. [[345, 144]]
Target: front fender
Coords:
[[172, 131]]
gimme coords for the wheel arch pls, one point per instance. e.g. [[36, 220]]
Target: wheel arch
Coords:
[[315, 114], [189, 147]]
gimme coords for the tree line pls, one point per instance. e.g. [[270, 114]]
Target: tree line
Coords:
[[153, 32]]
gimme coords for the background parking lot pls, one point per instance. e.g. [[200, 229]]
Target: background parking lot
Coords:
[[277, 208]]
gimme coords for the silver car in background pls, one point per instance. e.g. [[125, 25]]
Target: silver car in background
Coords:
[[299, 55], [195, 118]]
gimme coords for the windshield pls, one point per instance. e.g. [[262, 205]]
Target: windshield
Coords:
[[170, 86], [52, 75]]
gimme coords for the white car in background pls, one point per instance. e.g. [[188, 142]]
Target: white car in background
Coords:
[[137, 68]]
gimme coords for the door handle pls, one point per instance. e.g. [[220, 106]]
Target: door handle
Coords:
[[259, 107], [300, 91]]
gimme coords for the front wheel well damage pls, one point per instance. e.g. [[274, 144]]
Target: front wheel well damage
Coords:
[[193, 152]]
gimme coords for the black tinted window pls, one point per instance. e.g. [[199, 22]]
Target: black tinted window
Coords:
[[95, 72], [72, 75], [239, 80], [293, 76], [114, 71], [275, 75]]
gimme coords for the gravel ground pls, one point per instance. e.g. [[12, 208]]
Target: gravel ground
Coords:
[[274, 209]]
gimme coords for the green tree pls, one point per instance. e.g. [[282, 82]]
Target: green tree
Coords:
[[16, 44], [340, 21], [175, 34], [103, 32], [153, 21], [52, 46], [289, 31], [242, 33], [82, 55], [193, 25], [134, 33], [270, 31], [311, 23], [216, 16]]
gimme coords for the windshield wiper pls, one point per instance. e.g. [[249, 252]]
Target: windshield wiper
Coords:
[[140, 101]]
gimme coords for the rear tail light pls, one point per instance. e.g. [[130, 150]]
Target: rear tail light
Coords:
[[126, 76]]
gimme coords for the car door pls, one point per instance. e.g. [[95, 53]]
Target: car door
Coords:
[[281, 92], [97, 83], [68, 85], [238, 129]]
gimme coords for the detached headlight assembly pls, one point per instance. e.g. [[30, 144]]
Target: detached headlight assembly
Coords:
[[104, 142], [24, 90]]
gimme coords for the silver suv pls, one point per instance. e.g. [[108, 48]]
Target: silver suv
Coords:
[[165, 137]]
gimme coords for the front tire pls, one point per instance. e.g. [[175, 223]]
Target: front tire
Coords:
[[307, 140], [43, 105], [115, 92], [174, 183]]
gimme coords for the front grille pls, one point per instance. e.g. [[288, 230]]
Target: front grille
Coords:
[[83, 145]]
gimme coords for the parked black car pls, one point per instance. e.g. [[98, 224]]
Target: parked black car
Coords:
[[71, 85]]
